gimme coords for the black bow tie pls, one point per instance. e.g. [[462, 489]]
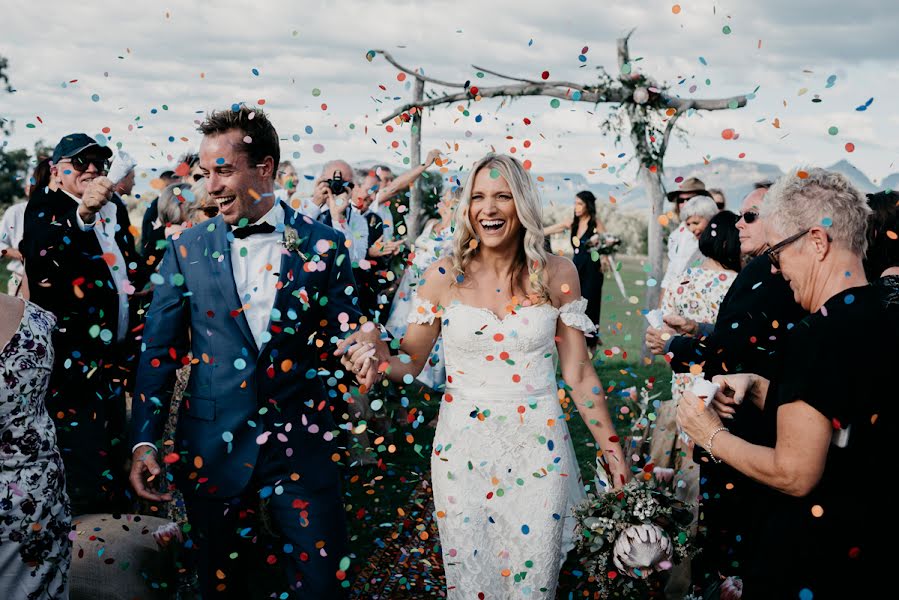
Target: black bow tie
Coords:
[[242, 232]]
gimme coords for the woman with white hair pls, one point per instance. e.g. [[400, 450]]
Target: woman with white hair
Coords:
[[820, 528], [695, 215], [504, 474]]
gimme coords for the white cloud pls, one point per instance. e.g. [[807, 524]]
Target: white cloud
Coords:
[[164, 56]]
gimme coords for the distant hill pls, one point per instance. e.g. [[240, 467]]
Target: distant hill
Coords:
[[735, 177]]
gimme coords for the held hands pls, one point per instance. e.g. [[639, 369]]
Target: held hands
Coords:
[[364, 353], [144, 469], [98, 193]]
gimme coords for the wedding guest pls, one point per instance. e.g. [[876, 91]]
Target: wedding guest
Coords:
[[389, 185], [719, 198], [682, 244], [152, 232], [35, 518], [434, 243], [697, 294], [12, 227], [753, 323], [585, 228], [82, 266], [696, 214], [286, 182], [819, 528], [882, 257]]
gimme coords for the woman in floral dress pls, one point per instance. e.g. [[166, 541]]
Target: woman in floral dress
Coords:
[[35, 518]]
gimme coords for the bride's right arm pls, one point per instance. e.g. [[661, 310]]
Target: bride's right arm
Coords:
[[424, 323]]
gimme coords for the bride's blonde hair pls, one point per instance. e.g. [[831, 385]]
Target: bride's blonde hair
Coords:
[[531, 253]]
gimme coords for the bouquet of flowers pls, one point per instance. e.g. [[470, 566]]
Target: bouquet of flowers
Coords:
[[604, 243], [627, 536]]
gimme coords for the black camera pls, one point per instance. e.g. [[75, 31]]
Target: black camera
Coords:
[[337, 185]]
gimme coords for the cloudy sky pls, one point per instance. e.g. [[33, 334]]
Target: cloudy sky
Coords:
[[146, 70]]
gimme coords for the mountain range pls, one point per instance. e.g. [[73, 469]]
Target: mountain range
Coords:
[[735, 177]]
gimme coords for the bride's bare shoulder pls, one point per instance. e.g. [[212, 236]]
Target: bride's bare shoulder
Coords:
[[562, 280]]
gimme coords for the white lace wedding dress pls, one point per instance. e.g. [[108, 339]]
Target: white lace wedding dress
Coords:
[[503, 467]]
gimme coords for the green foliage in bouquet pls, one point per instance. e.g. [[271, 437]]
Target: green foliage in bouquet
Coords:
[[626, 538]]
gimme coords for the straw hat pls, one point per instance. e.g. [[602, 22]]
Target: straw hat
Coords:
[[689, 186]]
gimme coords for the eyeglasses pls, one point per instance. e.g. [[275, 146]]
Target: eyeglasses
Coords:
[[750, 217], [210, 211], [82, 163], [773, 253]]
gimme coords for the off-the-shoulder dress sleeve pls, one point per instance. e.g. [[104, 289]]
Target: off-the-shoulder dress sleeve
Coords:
[[574, 314], [423, 311]]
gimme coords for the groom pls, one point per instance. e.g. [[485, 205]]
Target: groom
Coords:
[[253, 299]]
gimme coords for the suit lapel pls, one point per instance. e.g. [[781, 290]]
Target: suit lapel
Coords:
[[220, 263]]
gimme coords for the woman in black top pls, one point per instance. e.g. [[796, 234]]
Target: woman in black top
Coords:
[[823, 521], [585, 230]]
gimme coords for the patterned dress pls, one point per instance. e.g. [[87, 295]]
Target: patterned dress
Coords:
[[697, 294], [35, 519]]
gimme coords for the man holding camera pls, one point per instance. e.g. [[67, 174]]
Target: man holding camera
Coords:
[[82, 266]]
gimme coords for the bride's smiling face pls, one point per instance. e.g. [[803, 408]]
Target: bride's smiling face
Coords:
[[492, 210]]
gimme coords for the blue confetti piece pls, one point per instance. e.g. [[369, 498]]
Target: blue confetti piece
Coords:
[[831, 81], [703, 61], [256, 72], [864, 106], [849, 299], [525, 529]]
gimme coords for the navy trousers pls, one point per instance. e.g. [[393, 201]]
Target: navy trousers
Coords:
[[278, 539]]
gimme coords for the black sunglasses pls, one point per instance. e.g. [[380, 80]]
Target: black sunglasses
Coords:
[[82, 163], [773, 253], [210, 211], [197, 177], [750, 216]]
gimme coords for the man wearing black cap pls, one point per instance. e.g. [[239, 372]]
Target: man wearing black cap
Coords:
[[80, 259]]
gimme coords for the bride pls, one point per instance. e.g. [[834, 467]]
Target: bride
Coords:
[[503, 466]]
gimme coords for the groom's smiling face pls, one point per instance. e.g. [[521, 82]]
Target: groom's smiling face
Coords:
[[241, 189]]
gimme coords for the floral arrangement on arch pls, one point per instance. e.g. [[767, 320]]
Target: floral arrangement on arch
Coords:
[[626, 537]]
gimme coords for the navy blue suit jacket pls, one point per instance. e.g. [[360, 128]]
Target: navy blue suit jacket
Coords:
[[241, 398]]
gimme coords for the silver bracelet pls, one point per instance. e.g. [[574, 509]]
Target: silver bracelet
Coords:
[[708, 446]]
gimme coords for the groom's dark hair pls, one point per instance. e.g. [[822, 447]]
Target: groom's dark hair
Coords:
[[254, 124]]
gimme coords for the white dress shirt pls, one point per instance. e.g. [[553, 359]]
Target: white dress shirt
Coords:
[[256, 261], [105, 226], [12, 228]]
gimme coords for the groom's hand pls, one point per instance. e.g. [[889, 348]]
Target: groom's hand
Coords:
[[144, 469]]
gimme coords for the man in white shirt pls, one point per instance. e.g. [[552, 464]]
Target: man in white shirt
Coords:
[[82, 266], [12, 227]]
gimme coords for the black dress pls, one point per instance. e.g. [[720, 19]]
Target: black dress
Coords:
[[833, 541], [589, 271]]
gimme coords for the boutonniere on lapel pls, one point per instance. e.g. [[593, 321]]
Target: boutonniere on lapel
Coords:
[[291, 241]]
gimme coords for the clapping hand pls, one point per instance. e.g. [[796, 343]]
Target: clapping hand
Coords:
[[381, 248]]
